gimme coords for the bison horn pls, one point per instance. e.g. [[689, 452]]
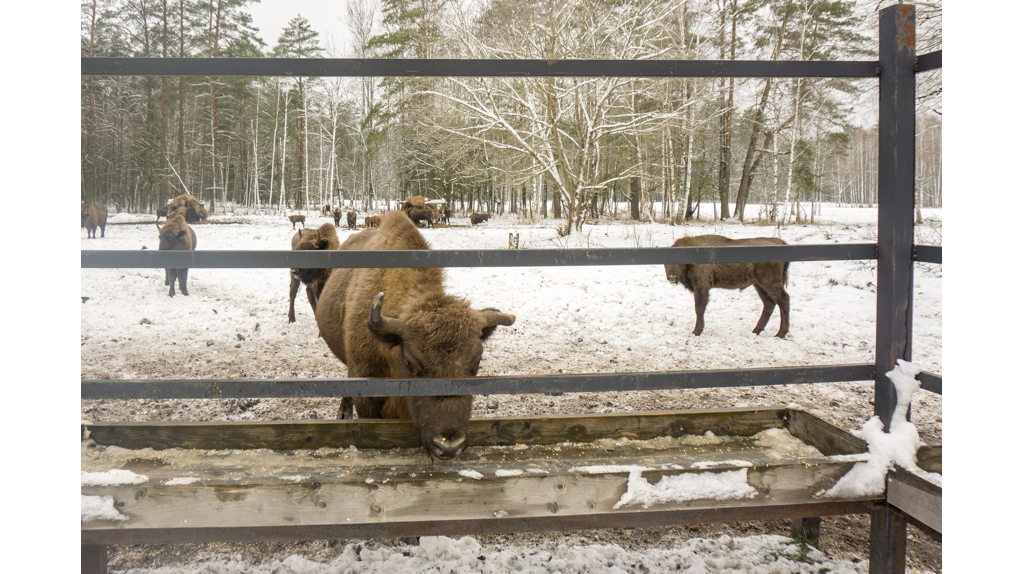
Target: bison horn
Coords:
[[495, 318], [382, 323]]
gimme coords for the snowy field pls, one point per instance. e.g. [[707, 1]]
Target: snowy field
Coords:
[[571, 320]]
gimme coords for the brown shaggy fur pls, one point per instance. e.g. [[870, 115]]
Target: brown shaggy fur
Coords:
[[176, 235], [418, 214], [415, 201], [373, 220], [162, 212], [768, 278], [323, 239], [476, 218], [351, 218], [326, 210], [94, 216], [428, 334], [337, 216], [445, 214], [297, 219], [189, 208]]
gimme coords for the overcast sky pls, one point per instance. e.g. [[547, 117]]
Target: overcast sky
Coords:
[[327, 17]]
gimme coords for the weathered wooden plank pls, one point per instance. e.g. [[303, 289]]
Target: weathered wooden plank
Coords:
[[401, 434], [929, 457], [94, 558], [651, 518], [453, 497], [916, 497], [888, 551], [828, 438]]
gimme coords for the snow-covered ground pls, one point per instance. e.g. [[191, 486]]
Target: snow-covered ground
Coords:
[[572, 320]]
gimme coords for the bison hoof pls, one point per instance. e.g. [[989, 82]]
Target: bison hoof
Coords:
[[781, 335]]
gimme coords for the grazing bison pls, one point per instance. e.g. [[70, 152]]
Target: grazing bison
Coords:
[[176, 235], [297, 219], [399, 323], [337, 216], [94, 216], [162, 212], [768, 278], [351, 217], [418, 214], [476, 218], [189, 208], [323, 239]]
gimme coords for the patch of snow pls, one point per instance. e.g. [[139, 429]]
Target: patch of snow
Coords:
[[728, 485], [508, 472], [182, 480], [471, 474], [714, 463], [100, 508], [897, 447], [112, 477]]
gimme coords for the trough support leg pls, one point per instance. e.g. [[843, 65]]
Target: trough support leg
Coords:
[[94, 559], [808, 529], [888, 540]]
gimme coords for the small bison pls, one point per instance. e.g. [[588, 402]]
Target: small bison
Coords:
[[418, 214], [337, 216], [297, 219], [399, 323], [326, 210], [476, 218], [93, 216], [162, 212], [176, 235], [323, 239], [373, 220], [768, 278], [351, 217], [446, 214]]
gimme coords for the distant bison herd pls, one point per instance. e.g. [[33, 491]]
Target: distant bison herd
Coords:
[[400, 322]]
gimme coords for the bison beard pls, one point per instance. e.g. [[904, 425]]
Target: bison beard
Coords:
[[768, 278], [399, 323], [323, 239]]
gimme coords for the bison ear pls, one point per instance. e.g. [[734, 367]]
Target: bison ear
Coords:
[[181, 234], [387, 329], [493, 318]]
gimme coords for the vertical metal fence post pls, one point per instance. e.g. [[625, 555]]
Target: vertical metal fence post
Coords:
[[896, 47], [896, 54]]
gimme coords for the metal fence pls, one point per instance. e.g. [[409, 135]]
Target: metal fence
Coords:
[[895, 250]]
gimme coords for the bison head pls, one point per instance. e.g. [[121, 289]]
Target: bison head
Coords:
[[324, 239], [437, 336]]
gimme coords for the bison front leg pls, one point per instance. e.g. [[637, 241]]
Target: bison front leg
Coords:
[[700, 303], [172, 276], [766, 313], [293, 290], [183, 281], [345, 409]]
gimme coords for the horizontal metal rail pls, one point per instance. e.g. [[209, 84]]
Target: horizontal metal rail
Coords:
[[476, 68], [930, 382], [525, 384], [929, 61], [928, 253], [340, 259]]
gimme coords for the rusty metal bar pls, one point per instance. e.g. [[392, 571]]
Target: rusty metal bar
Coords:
[[526, 384], [148, 259], [469, 527], [895, 200], [345, 67]]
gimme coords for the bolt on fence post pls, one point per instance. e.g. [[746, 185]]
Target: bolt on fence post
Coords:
[[896, 54]]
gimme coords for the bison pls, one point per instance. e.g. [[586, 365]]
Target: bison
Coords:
[[399, 323], [189, 208], [93, 216], [768, 278], [418, 214], [476, 218], [176, 235], [446, 214], [323, 239], [415, 201], [337, 216], [162, 212], [326, 210], [297, 219], [373, 220], [351, 217]]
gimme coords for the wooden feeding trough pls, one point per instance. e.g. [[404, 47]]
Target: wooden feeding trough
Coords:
[[301, 480]]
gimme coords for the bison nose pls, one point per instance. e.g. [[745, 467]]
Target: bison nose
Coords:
[[447, 448]]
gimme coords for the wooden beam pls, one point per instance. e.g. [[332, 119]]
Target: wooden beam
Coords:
[[826, 437], [94, 558], [553, 429], [916, 497]]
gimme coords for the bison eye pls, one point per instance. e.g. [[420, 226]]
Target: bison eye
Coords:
[[412, 369]]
